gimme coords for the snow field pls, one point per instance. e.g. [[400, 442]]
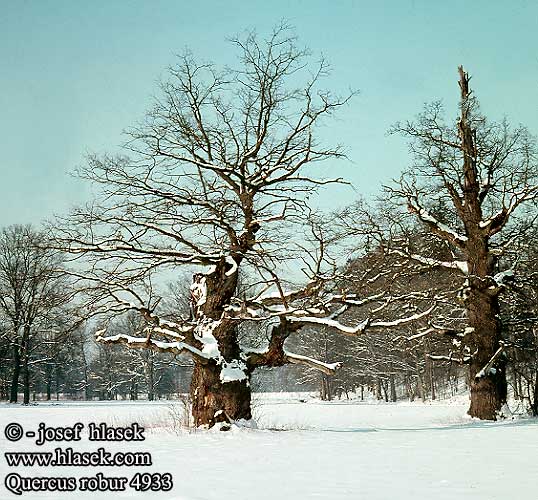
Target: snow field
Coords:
[[337, 450]]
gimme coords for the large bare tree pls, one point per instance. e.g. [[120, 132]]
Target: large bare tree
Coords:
[[470, 181], [218, 176]]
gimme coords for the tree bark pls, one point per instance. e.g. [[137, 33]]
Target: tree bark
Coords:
[[214, 401], [488, 389]]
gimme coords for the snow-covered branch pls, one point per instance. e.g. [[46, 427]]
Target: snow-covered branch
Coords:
[[149, 343], [298, 359], [435, 225]]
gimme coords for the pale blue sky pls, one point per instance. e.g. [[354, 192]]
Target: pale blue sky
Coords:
[[75, 73]]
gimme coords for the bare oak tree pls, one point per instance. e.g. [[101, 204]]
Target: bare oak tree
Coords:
[[219, 176], [480, 177]]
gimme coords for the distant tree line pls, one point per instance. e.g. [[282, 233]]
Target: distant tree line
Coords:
[[64, 362]]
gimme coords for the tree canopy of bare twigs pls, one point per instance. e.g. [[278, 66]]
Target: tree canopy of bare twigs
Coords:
[[219, 175]]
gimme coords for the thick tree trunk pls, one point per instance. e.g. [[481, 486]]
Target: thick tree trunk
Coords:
[[488, 387], [214, 401], [14, 393], [487, 378]]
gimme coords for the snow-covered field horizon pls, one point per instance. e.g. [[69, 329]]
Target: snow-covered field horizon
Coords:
[[303, 448]]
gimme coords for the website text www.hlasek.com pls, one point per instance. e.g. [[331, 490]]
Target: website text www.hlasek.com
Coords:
[[68, 456]]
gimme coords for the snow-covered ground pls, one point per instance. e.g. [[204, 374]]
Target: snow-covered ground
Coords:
[[309, 449]]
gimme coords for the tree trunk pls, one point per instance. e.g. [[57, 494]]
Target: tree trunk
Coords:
[[519, 386], [488, 390], [432, 381], [428, 369], [420, 387], [48, 380], [151, 379], [328, 387], [87, 392], [534, 402], [57, 384], [517, 392], [378, 393], [393, 396], [134, 391], [25, 366], [214, 401], [49, 387], [14, 395], [488, 385], [26, 381]]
